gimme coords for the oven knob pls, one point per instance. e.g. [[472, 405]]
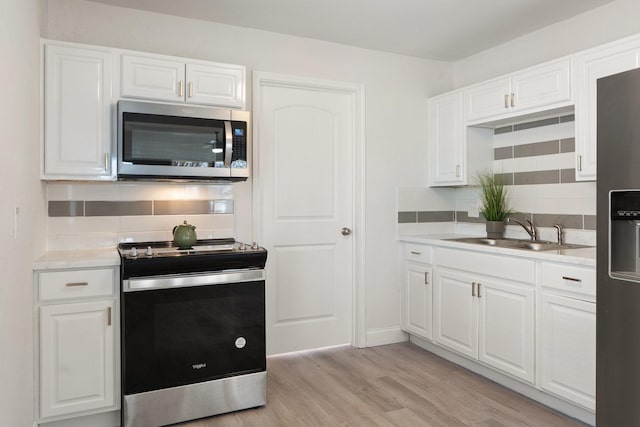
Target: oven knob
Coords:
[[149, 251], [133, 253], [255, 246], [240, 342]]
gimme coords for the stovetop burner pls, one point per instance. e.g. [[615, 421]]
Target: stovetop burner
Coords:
[[158, 258]]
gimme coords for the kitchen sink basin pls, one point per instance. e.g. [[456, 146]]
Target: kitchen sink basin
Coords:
[[531, 245]]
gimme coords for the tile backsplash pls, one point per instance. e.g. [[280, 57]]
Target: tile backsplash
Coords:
[[536, 160], [88, 215]]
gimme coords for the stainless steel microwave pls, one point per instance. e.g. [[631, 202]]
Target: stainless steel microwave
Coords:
[[181, 142]]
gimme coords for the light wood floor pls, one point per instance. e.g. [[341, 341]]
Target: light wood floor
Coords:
[[393, 385]]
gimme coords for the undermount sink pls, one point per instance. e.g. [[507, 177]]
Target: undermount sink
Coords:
[[530, 245]]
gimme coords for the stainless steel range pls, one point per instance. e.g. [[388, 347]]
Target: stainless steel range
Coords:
[[193, 331]]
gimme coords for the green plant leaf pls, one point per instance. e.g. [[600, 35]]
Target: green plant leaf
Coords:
[[493, 196]]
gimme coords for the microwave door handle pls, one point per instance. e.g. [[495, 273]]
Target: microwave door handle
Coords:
[[228, 151]]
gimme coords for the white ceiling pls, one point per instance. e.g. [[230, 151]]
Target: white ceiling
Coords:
[[435, 29]]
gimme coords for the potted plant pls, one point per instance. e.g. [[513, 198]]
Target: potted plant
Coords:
[[494, 209]]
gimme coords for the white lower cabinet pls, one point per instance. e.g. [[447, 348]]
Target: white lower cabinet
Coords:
[[486, 319], [77, 334], [568, 348], [418, 317]]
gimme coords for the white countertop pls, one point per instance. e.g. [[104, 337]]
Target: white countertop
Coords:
[[580, 256], [85, 258]]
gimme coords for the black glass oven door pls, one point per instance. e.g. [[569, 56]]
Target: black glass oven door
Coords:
[[179, 336]]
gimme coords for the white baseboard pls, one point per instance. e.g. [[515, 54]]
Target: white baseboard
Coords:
[[385, 336], [529, 391]]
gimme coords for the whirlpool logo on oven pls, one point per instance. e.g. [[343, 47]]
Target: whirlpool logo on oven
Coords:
[[199, 366]]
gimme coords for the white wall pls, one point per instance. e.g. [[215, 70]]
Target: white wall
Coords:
[[612, 21], [395, 133], [19, 166]]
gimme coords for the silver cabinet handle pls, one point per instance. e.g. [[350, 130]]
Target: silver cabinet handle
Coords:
[[109, 316], [579, 162], [416, 253], [479, 296], [426, 277], [181, 89], [572, 279], [513, 100], [190, 89], [506, 100], [345, 231], [106, 161], [77, 284], [457, 171], [473, 289]]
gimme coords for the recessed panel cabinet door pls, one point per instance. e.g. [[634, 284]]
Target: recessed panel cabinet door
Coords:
[[77, 122], [152, 78], [591, 66], [76, 357], [545, 84], [506, 328], [221, 85], [418, 315], [456, 313], [568, 349], [488, 99], [447, 143]]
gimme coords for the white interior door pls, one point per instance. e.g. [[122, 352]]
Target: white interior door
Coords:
[[304, 138]]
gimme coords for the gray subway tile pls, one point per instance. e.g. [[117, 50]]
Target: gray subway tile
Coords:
[[537, 123], [103, 208], [537, 177], [191, 207], [501, 153], [536, 149], [504, 129], [568, 118], [407, 217], [567, 175], [589, 222], [505, 178], [463, 216], [566, 221], [520, 216], [435, 216], [568, 145], [66, 208]]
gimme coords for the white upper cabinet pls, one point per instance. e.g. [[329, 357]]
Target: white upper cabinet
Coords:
[[447, 142], [534, 89], [77, 118], [175, 80], [591, 65]]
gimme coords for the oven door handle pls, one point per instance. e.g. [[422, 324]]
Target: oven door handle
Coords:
[[178, 281]]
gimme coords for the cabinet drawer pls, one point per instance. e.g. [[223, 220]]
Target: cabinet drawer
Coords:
[[418, 253], [568, 278], [54, 285], [521, 270]]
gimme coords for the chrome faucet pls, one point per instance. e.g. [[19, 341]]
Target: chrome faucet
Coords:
[[531, 229], [560, 230]]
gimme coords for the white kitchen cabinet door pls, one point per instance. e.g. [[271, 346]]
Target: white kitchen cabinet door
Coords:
[[539, 86], [533, 89], [418, 300], [76, 357], [77, 113], [506, 328], [488, 99], [447, 143], [153, 78], [592, 65], [219, 84], [455, 313], [568, 349]]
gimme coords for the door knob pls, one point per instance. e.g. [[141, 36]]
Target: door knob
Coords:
[[346, 231]]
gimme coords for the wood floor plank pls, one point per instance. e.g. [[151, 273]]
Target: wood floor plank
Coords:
[[396, 385]]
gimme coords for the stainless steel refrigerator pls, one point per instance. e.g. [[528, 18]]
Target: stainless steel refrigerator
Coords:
[[618, 252]]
